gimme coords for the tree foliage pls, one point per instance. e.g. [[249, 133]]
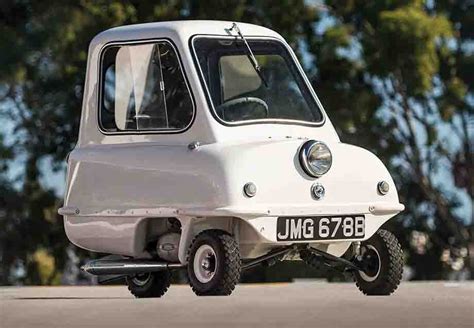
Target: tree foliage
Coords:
[[396, 77]]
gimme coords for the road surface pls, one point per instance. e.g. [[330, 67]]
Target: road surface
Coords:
[[301, 304]]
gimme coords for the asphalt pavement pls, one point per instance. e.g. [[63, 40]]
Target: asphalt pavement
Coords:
[[300, 304]]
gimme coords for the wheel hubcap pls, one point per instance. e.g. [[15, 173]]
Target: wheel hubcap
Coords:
[[370, 262], [141, 279], [204, 263]]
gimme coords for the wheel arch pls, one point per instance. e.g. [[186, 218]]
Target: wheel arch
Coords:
[[239, 228]]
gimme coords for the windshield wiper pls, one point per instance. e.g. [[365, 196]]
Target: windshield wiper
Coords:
[[250, 55]]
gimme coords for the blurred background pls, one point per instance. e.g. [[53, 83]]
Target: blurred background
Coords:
[[395, 76]]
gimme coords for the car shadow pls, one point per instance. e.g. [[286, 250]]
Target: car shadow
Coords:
[[66, 298]]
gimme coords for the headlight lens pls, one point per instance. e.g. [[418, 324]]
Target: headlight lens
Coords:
[[315, 158]]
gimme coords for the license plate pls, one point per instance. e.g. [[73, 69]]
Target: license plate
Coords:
[[321, 227]]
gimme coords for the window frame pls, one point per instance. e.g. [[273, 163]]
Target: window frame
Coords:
[[299, 70], [101, 77]]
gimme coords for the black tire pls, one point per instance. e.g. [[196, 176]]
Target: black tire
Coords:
[[383, 260], [154, 284], [224, 264]]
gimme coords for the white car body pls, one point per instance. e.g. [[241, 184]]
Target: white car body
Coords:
[[121, 187]]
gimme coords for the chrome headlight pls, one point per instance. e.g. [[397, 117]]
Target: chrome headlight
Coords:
[[315, 158]]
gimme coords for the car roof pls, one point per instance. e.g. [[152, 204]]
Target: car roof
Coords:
[[183, 30]]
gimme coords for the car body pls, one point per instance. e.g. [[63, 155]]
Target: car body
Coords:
[[125, 183]]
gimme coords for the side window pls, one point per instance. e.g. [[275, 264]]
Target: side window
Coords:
[[143, 88]]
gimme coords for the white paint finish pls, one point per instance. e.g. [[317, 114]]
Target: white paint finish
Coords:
[[209, 182], [147, 176], [115, 181], [187, 235], [116, 235], [132, 177]]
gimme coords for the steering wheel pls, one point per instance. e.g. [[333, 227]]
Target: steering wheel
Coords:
[[241, 101]]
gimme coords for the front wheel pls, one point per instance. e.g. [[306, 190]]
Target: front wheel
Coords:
[[381, 256], [213, 263]]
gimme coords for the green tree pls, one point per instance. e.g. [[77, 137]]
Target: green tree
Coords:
[[390, 72]]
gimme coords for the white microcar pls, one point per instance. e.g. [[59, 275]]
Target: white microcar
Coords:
[[203, 147]]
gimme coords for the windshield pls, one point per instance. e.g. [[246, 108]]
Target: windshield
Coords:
[[239, 94]]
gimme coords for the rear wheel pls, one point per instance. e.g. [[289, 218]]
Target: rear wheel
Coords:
[[381, 256], [214, 263], [152, 284]]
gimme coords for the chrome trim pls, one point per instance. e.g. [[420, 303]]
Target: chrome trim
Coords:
[[194, 145], [303, 156], [318, 191], [383, 209], [381, 187], [127, 266], [250, 189], [68, 210]]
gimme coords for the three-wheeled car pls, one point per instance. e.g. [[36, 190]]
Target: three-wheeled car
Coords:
[[203, 147]]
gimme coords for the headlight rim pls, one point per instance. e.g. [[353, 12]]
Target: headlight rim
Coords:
[[303, 156]]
